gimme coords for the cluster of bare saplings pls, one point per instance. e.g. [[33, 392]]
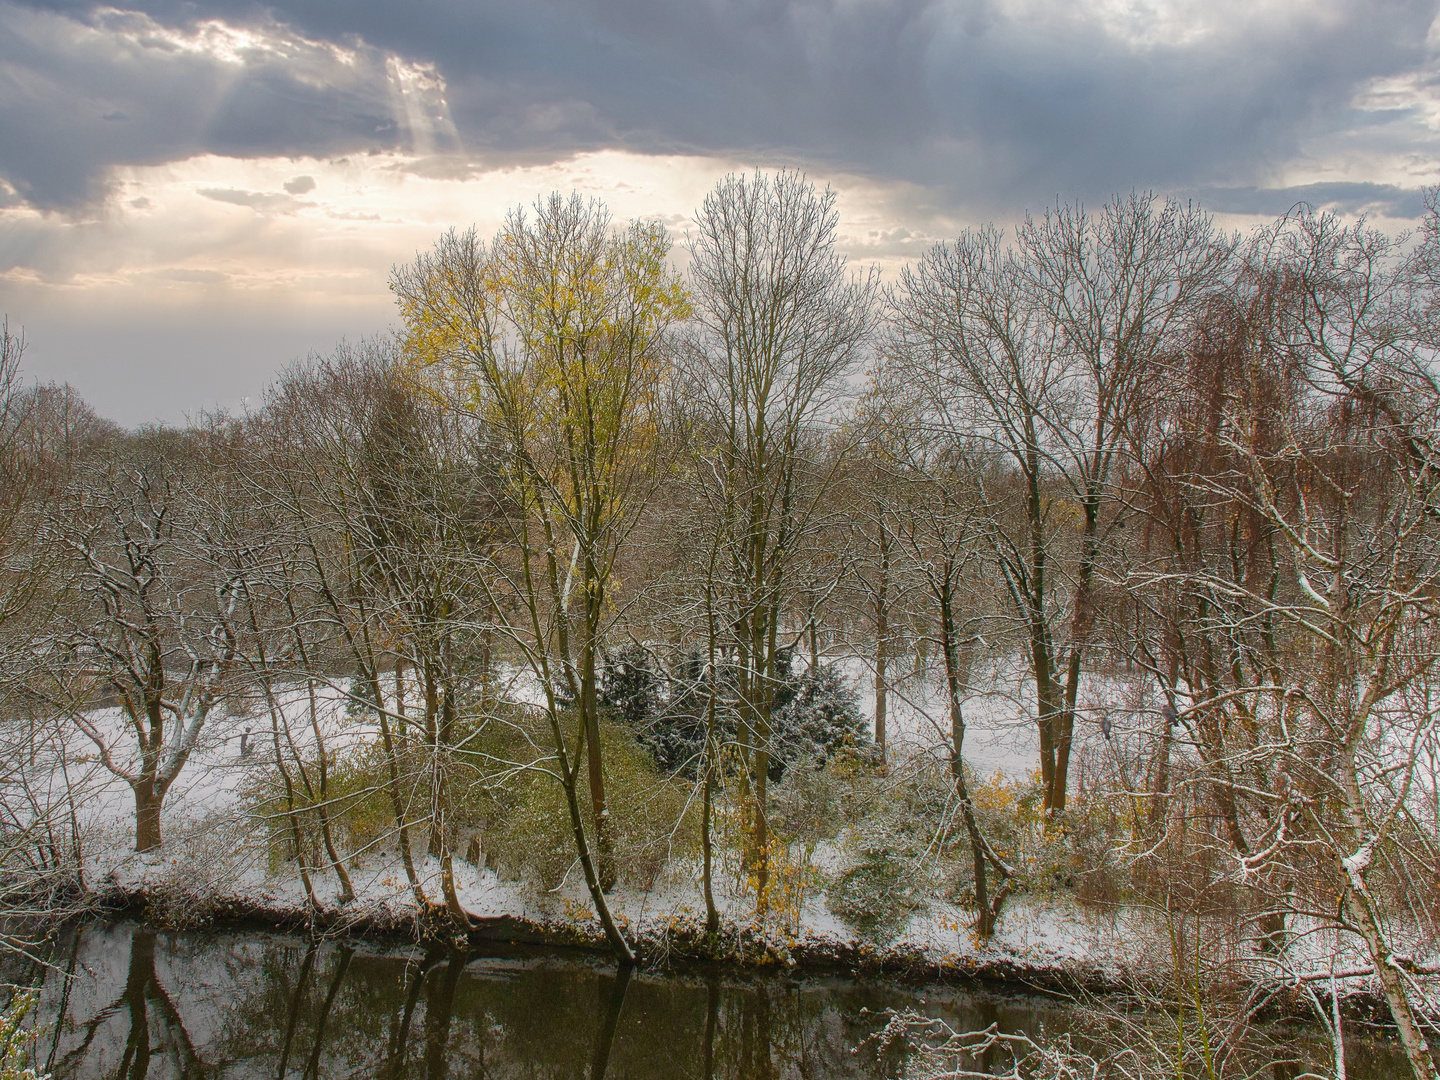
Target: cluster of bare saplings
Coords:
[[1105, 441]]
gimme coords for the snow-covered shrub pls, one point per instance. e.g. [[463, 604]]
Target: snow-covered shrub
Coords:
[[357, 803], [898, 844], [360, 701], [791, 879], [488, 741], [817, 712], [1074, 852], [649, 821], [502, 797], [202, 863], [629, 686], [808, 804], [880, 888], [360, 804], [667, 715], [17, 1041]]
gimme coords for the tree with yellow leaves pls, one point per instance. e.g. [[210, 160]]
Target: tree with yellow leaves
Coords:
[[556, 330]]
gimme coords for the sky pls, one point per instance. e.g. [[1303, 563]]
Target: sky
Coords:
[[194, 193]]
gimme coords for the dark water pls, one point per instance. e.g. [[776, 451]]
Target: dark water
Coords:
[[142, 1003]]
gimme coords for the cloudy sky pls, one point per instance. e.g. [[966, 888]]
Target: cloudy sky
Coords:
[[195, 193]]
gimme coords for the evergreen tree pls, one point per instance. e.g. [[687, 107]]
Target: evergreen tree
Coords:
[[629, 688], [820, 713], [360, 702], [817, 711]]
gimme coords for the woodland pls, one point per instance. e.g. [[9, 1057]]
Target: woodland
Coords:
[[642, 565]]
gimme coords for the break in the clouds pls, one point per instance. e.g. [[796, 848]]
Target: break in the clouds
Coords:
[[83, 95], [210, 161], [987, 101]]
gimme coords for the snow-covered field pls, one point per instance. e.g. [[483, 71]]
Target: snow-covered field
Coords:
[[213, 845], [214, 848]]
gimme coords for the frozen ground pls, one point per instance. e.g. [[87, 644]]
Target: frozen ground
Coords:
[[215, 849]]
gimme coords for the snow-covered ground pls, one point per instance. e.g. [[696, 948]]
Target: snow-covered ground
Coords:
[[213, 845], [215, 849]]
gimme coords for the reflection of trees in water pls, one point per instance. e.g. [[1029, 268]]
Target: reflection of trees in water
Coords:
[[337, 980], [612, 1003], [292, 1010], [156, 1033], [439, 1010], [399, 1040], [66, 983]]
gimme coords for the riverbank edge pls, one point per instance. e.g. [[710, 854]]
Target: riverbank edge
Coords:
[[683, 946]]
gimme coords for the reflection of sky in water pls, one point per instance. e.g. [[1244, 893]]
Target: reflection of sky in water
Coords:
[[153, 1004]]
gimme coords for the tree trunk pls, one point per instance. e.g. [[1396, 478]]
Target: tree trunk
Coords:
[[1042, 654], [589, 705], [1160, 785], [458, 915], [1046, 707], [590, 710], [319, 797], [984, 917], [712, 746], [400, 718], [432, 737], [347, 889], [1065, 732], [712, 914], [569, 781], [1080, 627], [882, 645], [487, 666], [397, 801], [147, 815], [761, 830], [296, 837], [1361, 906], [954, 686]]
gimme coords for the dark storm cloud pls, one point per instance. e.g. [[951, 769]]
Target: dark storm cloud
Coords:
[[987, 106], [77, 97], [1382, 200]]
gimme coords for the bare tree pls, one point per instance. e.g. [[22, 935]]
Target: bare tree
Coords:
[[1287, 589], [377, 549], [934, 514], [17, 468], [869, 598], [1044, 349], [285, 635], [154, 622], [783, 326], [41, 865]]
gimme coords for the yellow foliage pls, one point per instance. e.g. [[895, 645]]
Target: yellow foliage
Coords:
[[790, 880], [553, 332]]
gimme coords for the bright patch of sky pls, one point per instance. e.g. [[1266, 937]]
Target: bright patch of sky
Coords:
[[190, 198]]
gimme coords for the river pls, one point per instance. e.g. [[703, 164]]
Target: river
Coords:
[[128, 1002]]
